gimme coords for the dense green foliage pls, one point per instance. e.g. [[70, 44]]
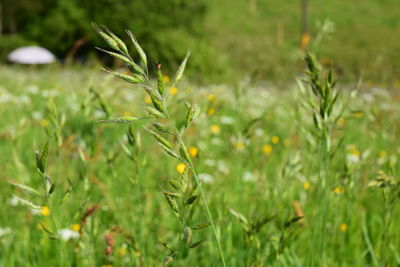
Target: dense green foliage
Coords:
[[230, 38], [168, 28]]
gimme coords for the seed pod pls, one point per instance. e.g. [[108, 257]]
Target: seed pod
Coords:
[[127, 78], [182, 67], [121, 120], [161, 127], [200, 226], [196, 244], [191, 200], [25, 188], [168, 260], [110, 41], [154, 112], [139, 49], [169, 151], [175, 184], [160, 82], [27, 203], [184, 152], [41, 159], [121, 45], [52, 187], [172, 194], [155, 99], [160, 139], [118, 56], [187, 235], [172, 203], [135, 68], [189, 115], [131, 137]]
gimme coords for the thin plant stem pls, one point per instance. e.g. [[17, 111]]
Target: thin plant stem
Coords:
[[198, 183]]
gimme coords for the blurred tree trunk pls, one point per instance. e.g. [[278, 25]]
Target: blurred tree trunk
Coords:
[[305, 36], [304, 17], [1, 18]]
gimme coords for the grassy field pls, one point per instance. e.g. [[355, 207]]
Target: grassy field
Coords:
[[262, 40], [275, 198]]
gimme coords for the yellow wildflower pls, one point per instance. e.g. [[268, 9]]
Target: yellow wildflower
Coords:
[[45, 211], [211, 97], [127, 114], [338, 190], [382, 154], [147, 99], [359, 114], [44, 123], [354, 152], [343, 227], [215, 129], [305, 39], [122, 251], [306, 185], [76, 227], [165, 79], [173, 91], [286, 142], [275, 139], [267, 149], [180, 168], [341, 122], [193, 151], [211, 111], [239, 145]]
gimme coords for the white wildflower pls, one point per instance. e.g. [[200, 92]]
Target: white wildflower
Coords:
[[68, 234]]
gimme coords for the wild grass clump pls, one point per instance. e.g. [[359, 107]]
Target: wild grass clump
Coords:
[[163, 129]]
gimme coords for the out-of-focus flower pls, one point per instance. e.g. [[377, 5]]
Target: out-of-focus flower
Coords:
[[227, 120], [166, 79], [343, 227], [382, 154], [211, 111], [122, 251], [353, 154], [45, 211], [76, 227], [206, 178], [341, 122], [68, 234], [306, 185], [248, 177], [173, 91], [239, 145], [215, 129], [211, 97], [267, 149], [44, 123], [193, 151], [180, 168], [339, 190], [275, 139], [359, 114]]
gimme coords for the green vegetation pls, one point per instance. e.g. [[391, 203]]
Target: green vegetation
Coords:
[[306, 176], [230, 38]]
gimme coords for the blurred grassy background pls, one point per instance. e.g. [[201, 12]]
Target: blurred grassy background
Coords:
[[230, 39]]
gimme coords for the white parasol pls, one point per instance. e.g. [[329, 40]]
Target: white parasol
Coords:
[[31, 55]]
